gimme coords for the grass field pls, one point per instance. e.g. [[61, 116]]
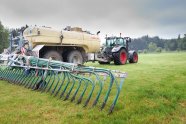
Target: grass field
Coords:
[[154, 92]]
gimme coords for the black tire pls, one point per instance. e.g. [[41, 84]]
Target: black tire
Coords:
[[103, 62], [75, 56], [54, 55], [133, 57], [120, 57]]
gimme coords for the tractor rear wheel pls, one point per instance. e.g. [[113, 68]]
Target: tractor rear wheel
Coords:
[[75, 56], [120, 57], [133, 58], [54, 55]]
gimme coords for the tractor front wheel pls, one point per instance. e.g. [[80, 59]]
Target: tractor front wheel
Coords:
[[120, 57]]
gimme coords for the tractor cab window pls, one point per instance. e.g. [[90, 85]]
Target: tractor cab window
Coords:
[[115, 41], [119, 41], [109, 42], [122, 42]]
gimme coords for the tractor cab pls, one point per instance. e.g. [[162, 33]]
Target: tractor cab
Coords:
[[113, 44], [115, 41]]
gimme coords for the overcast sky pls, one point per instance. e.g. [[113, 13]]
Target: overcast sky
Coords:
[[134, 18]]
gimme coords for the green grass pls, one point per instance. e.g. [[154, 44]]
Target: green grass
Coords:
[[154, 92]]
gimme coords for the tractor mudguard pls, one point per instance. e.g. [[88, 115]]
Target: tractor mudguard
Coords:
[[116, 49]]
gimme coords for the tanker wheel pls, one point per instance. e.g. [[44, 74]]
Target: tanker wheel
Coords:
[[54, 55], [100, 62], [134, 58], [120, 57], [75, 56]]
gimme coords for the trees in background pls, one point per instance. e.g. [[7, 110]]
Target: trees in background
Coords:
[[152, 47], [155, 44], [4, 33], [182, 43]]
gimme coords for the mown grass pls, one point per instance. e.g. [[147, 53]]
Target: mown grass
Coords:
[[154, 92]]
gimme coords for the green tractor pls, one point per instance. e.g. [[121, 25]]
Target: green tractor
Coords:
[[117, 49]]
